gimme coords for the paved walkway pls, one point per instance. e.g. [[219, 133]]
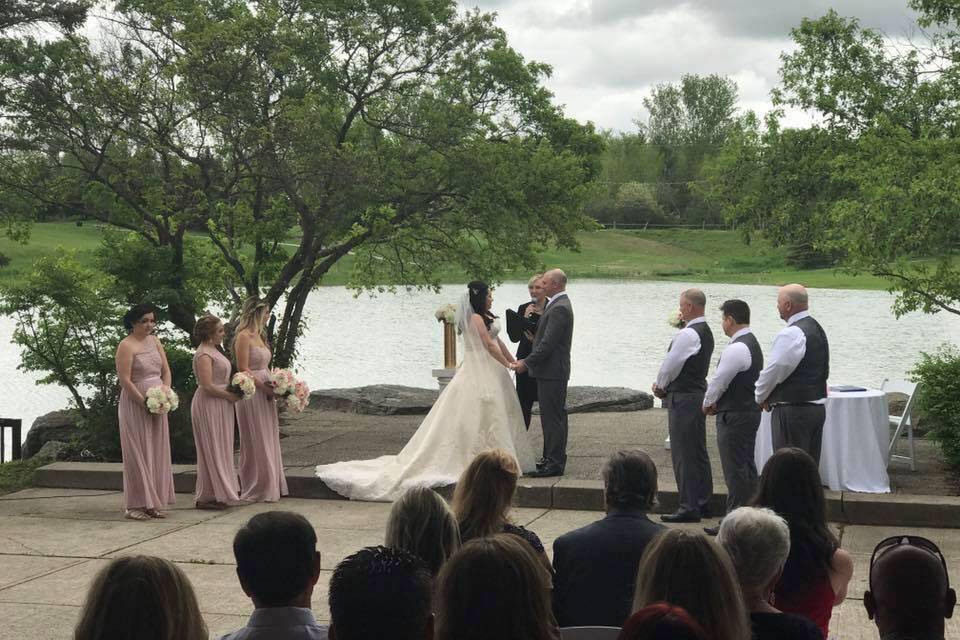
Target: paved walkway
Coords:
[[53, 541]]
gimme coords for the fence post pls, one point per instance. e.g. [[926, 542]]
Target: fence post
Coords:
[[16, 448]]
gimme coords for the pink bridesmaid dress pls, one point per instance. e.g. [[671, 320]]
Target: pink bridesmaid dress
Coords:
[[261, 465], [145, 439], [213, 434]]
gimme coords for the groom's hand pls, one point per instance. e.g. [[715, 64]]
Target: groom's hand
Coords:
[[710, 411], [657, 391], [519, 366]]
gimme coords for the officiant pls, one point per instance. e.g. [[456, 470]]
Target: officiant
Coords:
[[521, 327]]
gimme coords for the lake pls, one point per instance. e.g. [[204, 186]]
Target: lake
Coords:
[[620, 336]]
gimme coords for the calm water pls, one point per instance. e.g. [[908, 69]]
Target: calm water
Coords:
[[620, 336]]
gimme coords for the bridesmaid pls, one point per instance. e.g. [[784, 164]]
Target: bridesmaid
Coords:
[[212, 416], [144, 437], [261, 466]]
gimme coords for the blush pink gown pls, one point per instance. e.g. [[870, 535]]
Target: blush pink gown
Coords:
[[145, 439], [261, 465], [213, 434]]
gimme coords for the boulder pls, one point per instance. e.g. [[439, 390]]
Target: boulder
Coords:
[[51, 450], [390, 399], [56, 425]]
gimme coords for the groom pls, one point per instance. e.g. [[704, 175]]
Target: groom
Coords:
[[549, 363]]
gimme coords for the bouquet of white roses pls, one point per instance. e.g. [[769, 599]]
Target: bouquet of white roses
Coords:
[[675, 319], [446, 313], [160, 400], [243, 385], [291, 392]]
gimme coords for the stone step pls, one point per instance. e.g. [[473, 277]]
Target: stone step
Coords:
[[895, 510]]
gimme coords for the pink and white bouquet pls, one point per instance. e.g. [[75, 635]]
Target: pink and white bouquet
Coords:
[[161, 400], [291, 392], [243, 385], [675, 319]]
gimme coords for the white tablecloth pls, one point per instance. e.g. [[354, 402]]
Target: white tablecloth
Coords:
[[856, 434]]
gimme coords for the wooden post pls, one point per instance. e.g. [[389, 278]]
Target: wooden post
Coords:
[[16, 427], [449, 346]]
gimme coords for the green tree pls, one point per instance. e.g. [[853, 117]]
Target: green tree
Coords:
[[67, 15], [406, 134]]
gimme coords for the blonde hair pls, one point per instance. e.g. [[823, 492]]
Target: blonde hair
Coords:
[[484, 493], [534, 278], [495, 588], [690, 571], [141, 598], [250, 319], [422, 523]]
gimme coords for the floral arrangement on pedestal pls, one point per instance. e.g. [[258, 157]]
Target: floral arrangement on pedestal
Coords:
[[446, 313]]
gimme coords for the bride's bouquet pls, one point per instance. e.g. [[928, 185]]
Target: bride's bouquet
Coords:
[[160, 400], [675, 319], [291, 392], [242, 384], [446, 313]]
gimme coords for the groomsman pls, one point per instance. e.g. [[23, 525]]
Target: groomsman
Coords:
[[682, 382], [793, 385], [730, 397]]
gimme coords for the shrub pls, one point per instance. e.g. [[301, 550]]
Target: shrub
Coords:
[[939, 398]]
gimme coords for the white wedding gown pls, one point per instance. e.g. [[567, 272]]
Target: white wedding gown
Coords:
[[477, 411]]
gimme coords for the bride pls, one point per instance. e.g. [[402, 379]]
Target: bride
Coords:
[[478, 410]]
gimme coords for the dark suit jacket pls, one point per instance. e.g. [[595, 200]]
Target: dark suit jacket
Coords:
[[525, 346], [596, 568], [550, 358]]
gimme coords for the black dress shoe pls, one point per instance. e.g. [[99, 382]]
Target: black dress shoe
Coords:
[[545, 472], [705, 511], [681, 516], [541, 462], [712, 531]]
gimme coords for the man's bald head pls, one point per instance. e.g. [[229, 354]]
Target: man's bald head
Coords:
[[909, 592], [792, 299], [554, 281]]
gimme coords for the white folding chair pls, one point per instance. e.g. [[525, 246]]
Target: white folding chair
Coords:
[[899, 423], [589, 633]]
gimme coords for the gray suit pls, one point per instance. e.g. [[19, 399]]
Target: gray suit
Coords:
[[549, 363]]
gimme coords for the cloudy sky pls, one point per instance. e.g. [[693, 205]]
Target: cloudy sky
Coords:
[[607, 54]]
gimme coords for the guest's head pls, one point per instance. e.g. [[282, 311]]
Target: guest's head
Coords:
[[535, 288], [629, 481], [422, 523], [736, 316], [141, 598], [691, 571], [554, 281], [910, 594], [481, 298], [277, 559], [141, 319], [791, 299], [380, 592], [758, 542], [254, 316], [661, 621], [208, 330], [790, 486], [484, 493], [494, 588], [692, 304]]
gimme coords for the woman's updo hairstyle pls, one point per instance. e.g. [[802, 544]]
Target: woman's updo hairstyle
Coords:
[[205, 328], [136, 312], [478, 290]]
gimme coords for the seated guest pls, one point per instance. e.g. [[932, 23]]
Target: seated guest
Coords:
[[483, 497], [817, 571], [661, 621], [689, 570], [595, 566], [758, 541], [278, 566], [495, 588], [378, 593], [910, 594], [422, 523], [140, 598]]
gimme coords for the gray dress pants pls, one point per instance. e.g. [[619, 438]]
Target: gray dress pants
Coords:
[[736, 441], [688, 450], [798, 425]]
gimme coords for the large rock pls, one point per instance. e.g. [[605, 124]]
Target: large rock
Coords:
[[56, 425], [51, 450], [390, 399]]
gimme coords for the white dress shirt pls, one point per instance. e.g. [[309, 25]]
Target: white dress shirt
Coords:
[[685, 343], [734, 359], [788, 350], [280, 623]]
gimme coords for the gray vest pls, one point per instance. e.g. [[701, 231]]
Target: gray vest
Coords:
[[808, 382], [740, 395], [693, 376]]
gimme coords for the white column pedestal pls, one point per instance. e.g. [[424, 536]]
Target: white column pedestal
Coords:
[[443, 376]]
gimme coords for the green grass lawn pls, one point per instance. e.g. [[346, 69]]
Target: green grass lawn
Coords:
[[663, 254]]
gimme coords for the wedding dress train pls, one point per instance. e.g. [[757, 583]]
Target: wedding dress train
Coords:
[[477, 411]]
